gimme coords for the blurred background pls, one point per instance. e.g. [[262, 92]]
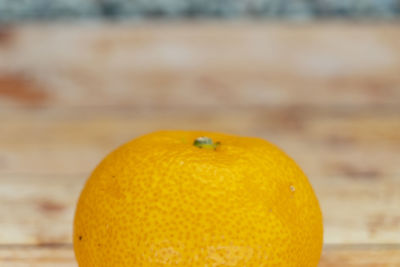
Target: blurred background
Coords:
[[319, 78]]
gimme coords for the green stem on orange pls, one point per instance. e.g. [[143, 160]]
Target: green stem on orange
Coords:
[[205, 142]]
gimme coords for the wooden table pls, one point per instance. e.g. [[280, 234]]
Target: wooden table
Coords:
[[327, 93]]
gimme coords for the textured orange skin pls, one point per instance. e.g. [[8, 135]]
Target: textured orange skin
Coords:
[[160, 201]]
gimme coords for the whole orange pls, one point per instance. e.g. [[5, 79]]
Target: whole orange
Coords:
[[193, 198]]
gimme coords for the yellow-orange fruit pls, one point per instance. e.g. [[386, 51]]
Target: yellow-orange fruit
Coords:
[[170, 198]]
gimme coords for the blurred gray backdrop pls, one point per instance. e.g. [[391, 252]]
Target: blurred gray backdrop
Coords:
[[15, 10]]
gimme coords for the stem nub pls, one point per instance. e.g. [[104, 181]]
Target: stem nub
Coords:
[[205, 142]]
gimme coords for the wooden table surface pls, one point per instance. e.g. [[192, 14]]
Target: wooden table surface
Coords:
[[327, 93]]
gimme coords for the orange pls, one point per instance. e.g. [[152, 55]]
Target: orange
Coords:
[[193, 198]]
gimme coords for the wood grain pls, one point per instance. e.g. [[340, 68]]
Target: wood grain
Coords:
[[200, 65], [357, 143], [332, 256], [37, 256], [360, 255]]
